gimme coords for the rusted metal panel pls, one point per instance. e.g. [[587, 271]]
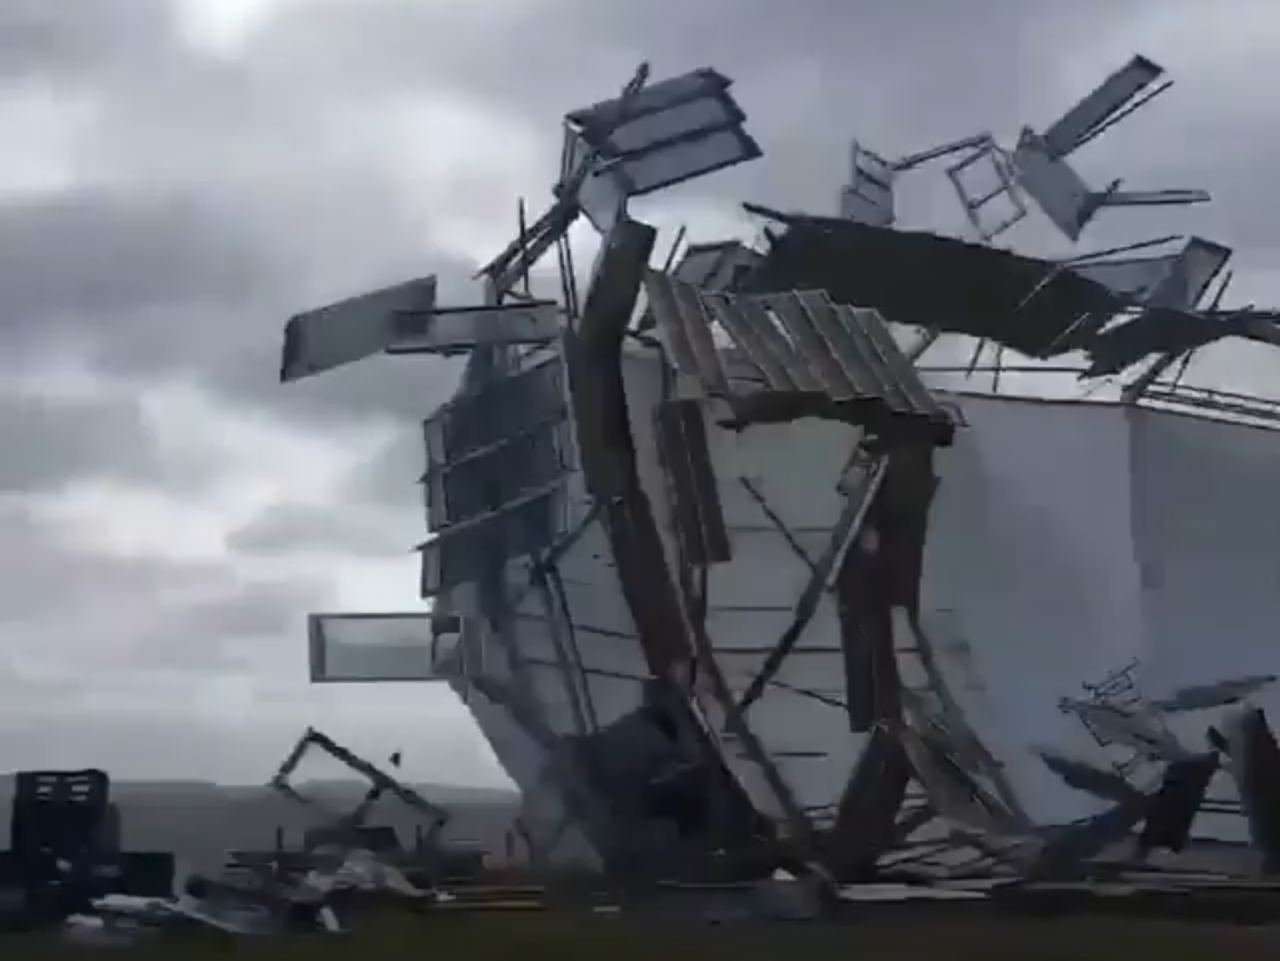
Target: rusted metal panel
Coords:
[[699, 519]]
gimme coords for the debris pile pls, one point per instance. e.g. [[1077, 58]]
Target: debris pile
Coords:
[[683, 526]]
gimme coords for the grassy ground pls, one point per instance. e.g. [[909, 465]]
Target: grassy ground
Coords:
[[565, 936]]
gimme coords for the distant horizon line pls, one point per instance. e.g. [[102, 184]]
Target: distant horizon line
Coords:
[[355, 779]]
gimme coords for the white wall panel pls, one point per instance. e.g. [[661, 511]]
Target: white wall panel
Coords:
[[1029, 557], [1066, 539], [1207, 531]]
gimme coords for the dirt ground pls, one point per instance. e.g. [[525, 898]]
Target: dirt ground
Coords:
[[573, 936]]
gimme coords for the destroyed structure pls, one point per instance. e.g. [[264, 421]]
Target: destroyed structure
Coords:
[[734, 579]]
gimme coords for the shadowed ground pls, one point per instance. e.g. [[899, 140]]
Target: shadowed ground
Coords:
[[567, 936]]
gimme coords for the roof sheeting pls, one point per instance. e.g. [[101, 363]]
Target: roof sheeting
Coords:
[[798, 342]]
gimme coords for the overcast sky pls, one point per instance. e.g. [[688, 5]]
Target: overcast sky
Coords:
[[178, 176]]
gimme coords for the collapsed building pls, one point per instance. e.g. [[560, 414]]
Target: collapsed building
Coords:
[[734, 579]]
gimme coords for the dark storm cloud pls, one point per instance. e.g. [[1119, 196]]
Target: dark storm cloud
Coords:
[[93, 258], [199, 283], [219, 200], [811, 74], [281, 204], [258, 185]]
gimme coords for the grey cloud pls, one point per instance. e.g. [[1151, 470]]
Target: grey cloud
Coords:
[[252, 626], [283, 199], [811, 74], [303, 528], [815, 74], [61, 601], [390, 477], [220, 196], [224, 194], [382, 512], [154, 286], [404, 389], [80, 41], [95, 261], [48, 442]]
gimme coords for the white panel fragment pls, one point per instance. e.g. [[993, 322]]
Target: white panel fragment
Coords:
[[353, 329], [366, 648]]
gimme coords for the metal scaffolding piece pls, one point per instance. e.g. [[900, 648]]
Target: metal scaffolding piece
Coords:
[[380, 783]]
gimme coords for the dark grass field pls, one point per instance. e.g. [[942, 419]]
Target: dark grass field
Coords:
[[573, 936]]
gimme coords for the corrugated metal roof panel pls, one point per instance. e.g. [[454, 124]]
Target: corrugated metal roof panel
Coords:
[[799, 341]]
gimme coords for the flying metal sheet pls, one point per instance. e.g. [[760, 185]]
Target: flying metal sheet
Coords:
[[377, 648], [465, 328], [656, 136], [869, 196], [1101, 105], [355, 328]]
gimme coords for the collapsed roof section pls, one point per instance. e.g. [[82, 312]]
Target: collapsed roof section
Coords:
[[1117, 309], [553, 459], [801, 355]]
